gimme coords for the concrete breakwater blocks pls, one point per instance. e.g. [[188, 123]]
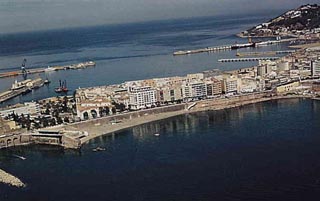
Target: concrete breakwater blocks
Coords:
[[9, 179]]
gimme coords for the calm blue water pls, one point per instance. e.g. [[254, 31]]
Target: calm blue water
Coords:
[[267, 151], [124, 52]]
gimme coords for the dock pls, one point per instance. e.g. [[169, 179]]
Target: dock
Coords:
[[248, 59], [272, 42], [244, 54], [49, 69], [9, 94]]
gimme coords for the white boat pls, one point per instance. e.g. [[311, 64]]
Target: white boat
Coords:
[[99, 149], [49, 69], [157, 134], [21, 157], [18, 85]]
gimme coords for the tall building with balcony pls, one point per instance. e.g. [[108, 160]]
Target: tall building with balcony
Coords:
[[315, 68], [230, 85], [213, 87], [194, 90], [141, 97], [170, 93]]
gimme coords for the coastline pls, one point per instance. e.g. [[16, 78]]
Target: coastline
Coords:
[[104, 126]]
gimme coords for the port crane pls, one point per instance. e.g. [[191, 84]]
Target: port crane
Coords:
[[23, 67]]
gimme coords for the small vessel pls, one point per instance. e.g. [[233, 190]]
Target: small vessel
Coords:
[[20, 157], [157, 134], [99, 149], [47, 81], [62, 87], [238, 46], [18, 85]]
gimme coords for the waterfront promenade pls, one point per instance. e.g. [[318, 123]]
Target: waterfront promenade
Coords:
[[111, 124]]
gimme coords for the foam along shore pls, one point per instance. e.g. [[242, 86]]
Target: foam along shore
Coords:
[[11, 180], [107, 125]]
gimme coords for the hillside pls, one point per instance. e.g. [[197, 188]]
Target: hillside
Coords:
[[303, 20]]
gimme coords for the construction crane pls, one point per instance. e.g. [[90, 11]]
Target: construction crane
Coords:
[[23, 67]]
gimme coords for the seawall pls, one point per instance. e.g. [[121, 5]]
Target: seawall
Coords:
[[9, 179]]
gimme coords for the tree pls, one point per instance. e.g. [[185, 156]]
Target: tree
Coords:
[[66, 119], [113, 109]]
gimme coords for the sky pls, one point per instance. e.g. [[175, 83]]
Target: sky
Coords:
[[31, 15]]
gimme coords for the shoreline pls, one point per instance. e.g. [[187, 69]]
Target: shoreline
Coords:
[[102, 126]]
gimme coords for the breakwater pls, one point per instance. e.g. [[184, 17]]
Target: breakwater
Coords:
[[11, 180], [49, 69]]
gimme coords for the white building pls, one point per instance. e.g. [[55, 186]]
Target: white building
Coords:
[[315, 68], [194, 90], [141, 97], [230, 85]]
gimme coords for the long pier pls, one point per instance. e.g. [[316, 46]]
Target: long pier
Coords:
[[55, 68], [248, 59], [207, 49]]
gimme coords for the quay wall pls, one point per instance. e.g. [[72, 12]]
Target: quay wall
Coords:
[[15, 140]]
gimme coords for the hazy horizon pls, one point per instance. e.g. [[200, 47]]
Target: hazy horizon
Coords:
[[36, 15]]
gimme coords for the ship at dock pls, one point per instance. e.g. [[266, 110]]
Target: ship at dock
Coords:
[[21, 88], [62, 87], [245, 45]]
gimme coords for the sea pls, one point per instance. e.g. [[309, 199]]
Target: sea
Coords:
[[124, 52], [264, 151]]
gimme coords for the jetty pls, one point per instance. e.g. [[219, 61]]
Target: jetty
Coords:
[[11, 180], [248, 59], [48, 69]]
